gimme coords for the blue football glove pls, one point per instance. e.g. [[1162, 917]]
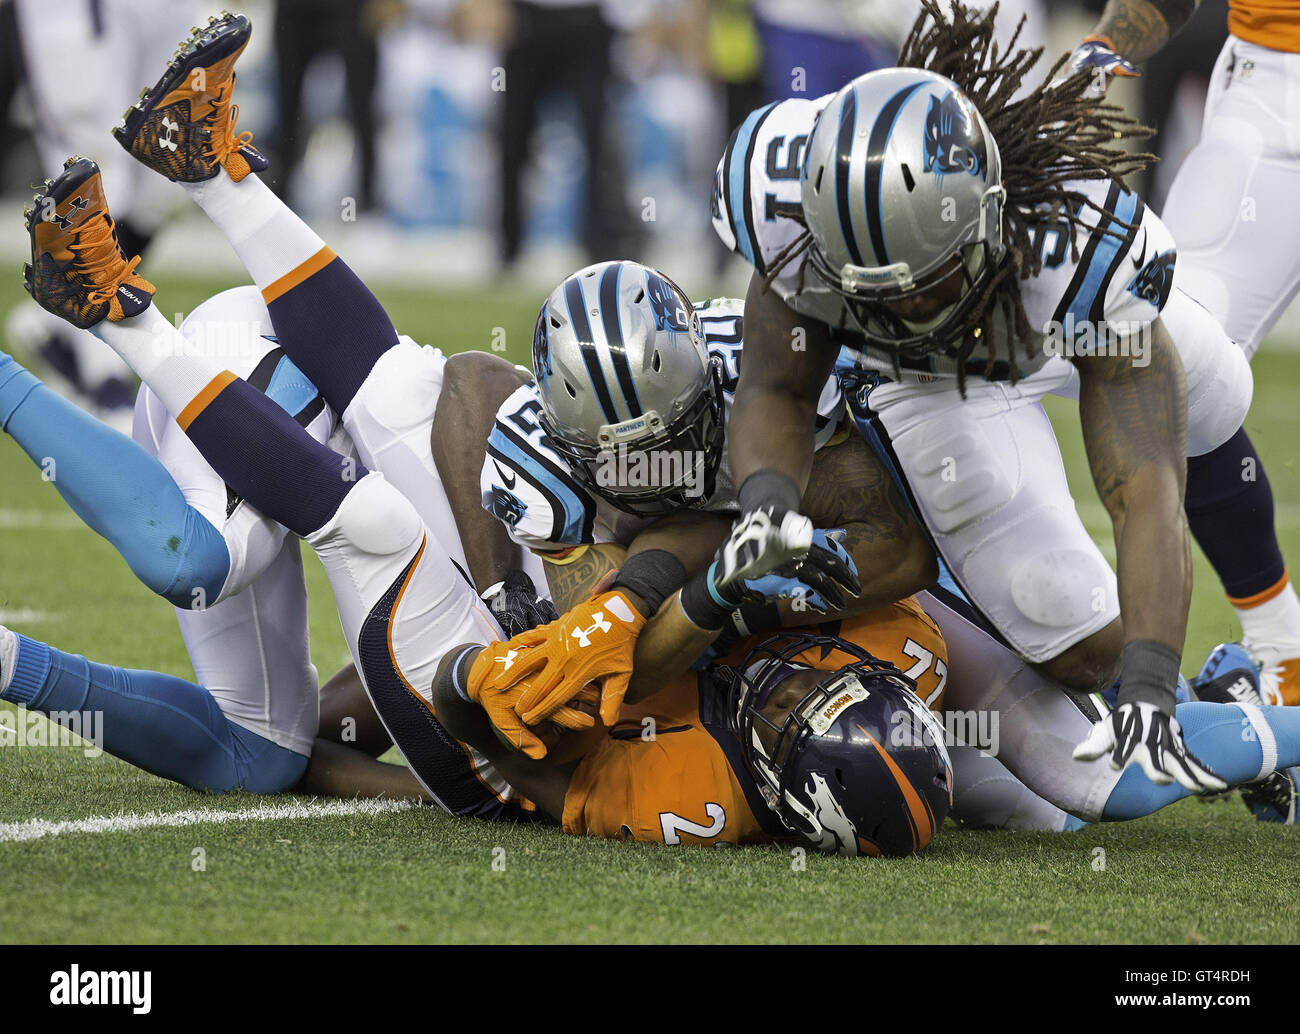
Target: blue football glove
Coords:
[[786, 582], [1097, 54]]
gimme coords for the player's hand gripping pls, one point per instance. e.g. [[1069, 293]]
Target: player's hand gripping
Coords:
[[788, 581], [1097, 54], [773, 540], [1144, 733], [497, 679], [539, 673]]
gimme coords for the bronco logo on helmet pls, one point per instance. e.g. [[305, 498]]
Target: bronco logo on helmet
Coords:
[[953, 140]]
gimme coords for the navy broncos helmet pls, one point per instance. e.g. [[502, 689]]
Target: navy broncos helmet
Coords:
[[858, 764]]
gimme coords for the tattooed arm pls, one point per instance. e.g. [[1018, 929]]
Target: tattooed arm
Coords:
[[1138, 29], [1135, 430], [850, 488], [574, 578]]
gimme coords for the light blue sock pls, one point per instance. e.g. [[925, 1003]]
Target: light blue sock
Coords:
[[1223, 738], [157, 722], [116, 488]]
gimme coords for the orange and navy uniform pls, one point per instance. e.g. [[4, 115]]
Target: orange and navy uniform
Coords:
[[671, 770], [1269, 23]]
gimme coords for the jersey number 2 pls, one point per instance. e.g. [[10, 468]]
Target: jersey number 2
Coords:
[[673, 825]]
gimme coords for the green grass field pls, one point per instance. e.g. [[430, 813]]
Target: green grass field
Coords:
[[1193, 873]]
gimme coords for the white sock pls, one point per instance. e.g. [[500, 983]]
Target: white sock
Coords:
[[266, 234], [8, 657], [1274, 623], [159, 353]]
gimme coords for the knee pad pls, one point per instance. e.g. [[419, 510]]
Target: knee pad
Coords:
[[1041, 581], [377, 519], [1219, 381]]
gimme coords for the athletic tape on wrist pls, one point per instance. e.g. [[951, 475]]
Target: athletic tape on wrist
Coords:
[[769, 488], [653, 575], [702, 603], [1148, 674]]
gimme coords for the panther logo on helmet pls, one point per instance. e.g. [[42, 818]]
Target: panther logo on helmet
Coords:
[[953, 140], [671, 312], [541, 347]]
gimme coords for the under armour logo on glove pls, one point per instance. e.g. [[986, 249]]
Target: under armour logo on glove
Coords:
[[1153, 738], [583, 635], [551, 666], [496, 680]]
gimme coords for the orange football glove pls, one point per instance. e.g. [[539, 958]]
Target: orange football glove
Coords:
[[499, 674], [592, 642]]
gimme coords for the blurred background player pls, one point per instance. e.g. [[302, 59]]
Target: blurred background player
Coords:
[[71, 114], [1230, 208]]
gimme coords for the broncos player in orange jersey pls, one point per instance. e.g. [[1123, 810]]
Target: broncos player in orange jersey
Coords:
[[814, 733]]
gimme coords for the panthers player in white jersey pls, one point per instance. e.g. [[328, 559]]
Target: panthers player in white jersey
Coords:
[[882, 219], [532, 486], [611, 366]]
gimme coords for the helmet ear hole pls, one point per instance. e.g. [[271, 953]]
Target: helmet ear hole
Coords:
[[817, 183], [908, 181], [639, 295], [656, 362], [569, 388]]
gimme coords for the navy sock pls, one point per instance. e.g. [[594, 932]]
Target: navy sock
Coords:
[[1229, 506], [332, 327], [157, 722], [262, 453], [117, 488]]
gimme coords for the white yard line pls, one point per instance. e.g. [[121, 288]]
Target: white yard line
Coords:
[[34, 829], [23, 616], [40, 520]]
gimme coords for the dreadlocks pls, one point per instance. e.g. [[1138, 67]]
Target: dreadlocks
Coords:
[[1052, 136], [1048, 138]]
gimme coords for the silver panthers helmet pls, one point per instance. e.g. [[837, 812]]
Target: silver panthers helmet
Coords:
[[629, 395], [902, 190]]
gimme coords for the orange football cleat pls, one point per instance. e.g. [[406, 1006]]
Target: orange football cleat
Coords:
[[78, 270], [184, 126]]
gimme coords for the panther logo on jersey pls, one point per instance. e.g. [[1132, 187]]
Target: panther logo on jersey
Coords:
[[953, 140], [504, 505], [1155, 280]]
